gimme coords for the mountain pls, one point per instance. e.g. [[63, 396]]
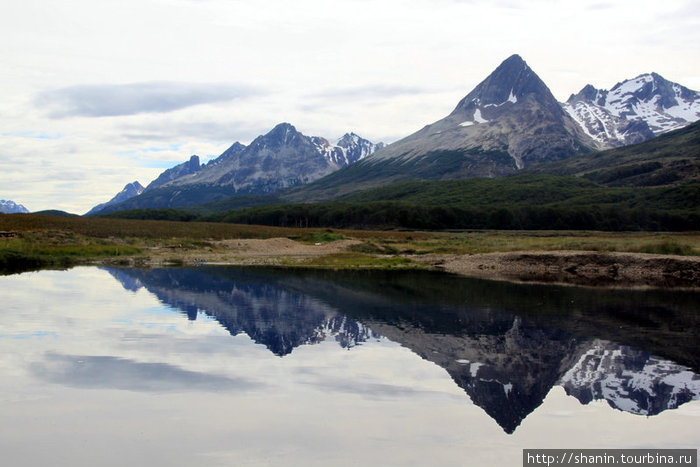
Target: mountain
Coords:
[[634, 110], [280, 159], [508, 122], [129, 191], [350, 148], [670, 159], [10, 207], [190, 167]]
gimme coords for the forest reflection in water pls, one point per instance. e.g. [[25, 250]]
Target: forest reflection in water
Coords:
[[506, 347]]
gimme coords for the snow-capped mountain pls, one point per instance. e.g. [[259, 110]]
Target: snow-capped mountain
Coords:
[[350, 148], [356, 148], [10, 207], [633, 110], [129, 191]]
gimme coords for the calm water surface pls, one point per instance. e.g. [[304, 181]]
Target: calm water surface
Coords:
[[229, 366]]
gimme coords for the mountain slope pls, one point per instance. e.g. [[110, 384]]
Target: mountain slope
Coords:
[[129, 191], [634, 110], [670, 159], [509, 121], [280, 159]]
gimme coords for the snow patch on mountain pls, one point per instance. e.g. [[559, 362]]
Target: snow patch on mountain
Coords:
[[477, 118], [512, 98], [350, 148]]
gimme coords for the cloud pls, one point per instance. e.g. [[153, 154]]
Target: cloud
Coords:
[[86, 371], [204, 129], [107, 100], [368, 389], [372, 91]]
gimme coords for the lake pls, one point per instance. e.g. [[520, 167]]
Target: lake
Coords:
[[213, 366]]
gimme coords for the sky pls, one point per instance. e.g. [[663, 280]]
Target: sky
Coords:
[[98, 94]]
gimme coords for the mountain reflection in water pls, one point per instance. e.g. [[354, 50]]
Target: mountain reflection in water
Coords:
[[505, 344]]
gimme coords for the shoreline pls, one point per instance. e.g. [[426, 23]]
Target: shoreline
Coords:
[[667, 260], [561, 267], [577, 268]]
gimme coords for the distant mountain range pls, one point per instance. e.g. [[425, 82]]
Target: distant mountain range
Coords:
[[280, 159], [509, 123], [10, 207]]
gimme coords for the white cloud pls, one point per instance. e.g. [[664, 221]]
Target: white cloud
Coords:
[[105, 100]]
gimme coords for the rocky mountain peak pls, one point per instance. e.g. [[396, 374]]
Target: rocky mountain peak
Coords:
[[282, 134], [232, 151], [192, 166], [194, 163], [511, 81], [588, 93], [348, 139], [355, 148], [133, 187]]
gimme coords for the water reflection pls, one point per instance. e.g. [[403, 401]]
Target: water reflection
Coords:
[[505, 345], [105, 372]]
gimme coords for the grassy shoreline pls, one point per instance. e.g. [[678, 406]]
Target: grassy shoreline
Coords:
[[44, 241]]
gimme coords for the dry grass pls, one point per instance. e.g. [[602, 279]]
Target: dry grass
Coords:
[[488, 242], [58, 240]]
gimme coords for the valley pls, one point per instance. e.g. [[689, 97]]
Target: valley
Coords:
[[510, 169]]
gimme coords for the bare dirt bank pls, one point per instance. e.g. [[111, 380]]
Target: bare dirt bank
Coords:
[[587, 268], [584, 268], [270, 251]]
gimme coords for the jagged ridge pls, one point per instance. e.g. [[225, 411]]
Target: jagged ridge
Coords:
[[634, 110]]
